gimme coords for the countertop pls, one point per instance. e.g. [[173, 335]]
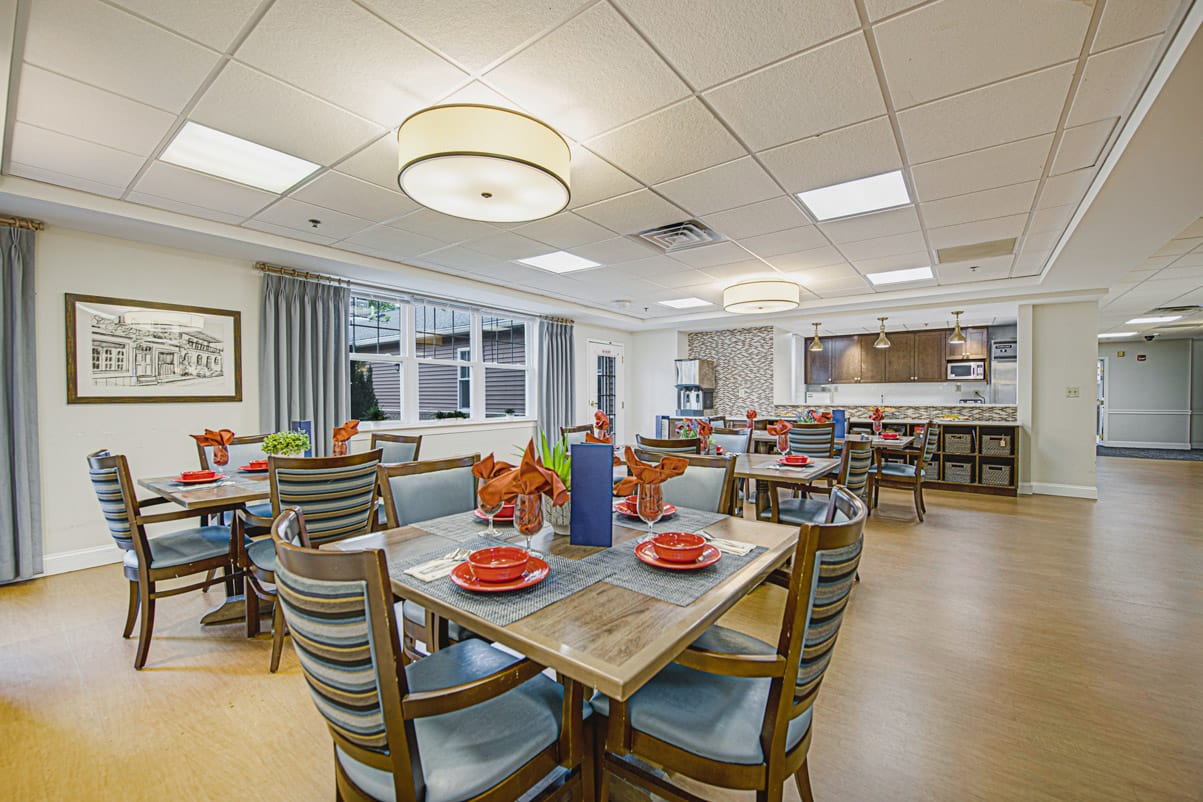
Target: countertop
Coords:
[[887, 421]]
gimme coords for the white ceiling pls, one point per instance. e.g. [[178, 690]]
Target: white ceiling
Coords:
[[1172, 276], [999, 115]]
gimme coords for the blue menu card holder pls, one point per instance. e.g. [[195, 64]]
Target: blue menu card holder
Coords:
[[839, 418], [305, 426], [592, 494]]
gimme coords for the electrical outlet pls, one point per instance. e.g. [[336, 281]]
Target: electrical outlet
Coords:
[[1073, 392]]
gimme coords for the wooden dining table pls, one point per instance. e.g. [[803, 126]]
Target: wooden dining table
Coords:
[[606, 637]]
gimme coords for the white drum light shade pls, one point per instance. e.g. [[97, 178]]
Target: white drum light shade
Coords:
[[483, 163], [762, 296]]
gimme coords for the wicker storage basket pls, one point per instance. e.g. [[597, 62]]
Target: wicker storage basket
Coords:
[[959, 472], [996, 445], [958, 443], [996, 475]]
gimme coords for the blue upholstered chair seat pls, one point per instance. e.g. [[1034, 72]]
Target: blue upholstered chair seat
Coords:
[[469, 751], [184, 546], [709, 715], [898, 469], [804, 511], [262, 554], [416, 614], [263, 509]]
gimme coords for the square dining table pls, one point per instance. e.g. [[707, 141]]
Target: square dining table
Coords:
[[606, 637]]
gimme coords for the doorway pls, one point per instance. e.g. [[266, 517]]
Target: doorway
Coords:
[[1100, 421], [606, 371]]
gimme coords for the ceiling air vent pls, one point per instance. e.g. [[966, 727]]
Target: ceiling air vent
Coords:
[[978, 250], [680, 236]]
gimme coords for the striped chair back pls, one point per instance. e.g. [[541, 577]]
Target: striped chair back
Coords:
[[931, 441], [854, 470], [336, 494], [110, 475], [815, 440], [397, 447]]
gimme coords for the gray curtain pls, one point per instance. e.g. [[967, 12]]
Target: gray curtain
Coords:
[[304, 362], [20, 484], [557, 377]]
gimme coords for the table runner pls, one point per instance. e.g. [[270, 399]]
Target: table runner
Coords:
[[682, 588], [686, 520]]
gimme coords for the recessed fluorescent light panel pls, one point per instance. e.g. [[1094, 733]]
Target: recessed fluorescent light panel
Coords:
[[1117, 334], [863, 195], [559, 262], [899, 276], [208, 150], [1140, 321], [685, 303]]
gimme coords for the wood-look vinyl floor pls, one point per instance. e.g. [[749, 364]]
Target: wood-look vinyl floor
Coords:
[[1006, 649]]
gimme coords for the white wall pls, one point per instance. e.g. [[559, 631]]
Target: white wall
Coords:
[[650, 376], [1148, 401], [1058, 350], [153, 436], [1196, 393]]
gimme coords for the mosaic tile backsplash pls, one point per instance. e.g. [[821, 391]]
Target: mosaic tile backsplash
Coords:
[[976, 412]]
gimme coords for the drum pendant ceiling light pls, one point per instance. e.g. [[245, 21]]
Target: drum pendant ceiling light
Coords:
[[761, 296], [483, 163]]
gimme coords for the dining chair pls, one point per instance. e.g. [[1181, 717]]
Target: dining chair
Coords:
[[733, 441], [674, 445], [420, 491], [337, 496], [149, 560], [396, 448], [907, 476], [708, 483], [575, 434], [468, 722], [856, 462], [242, 450], [814, 440], [732, 710]]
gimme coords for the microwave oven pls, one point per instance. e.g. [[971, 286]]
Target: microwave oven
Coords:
[[967, 371]]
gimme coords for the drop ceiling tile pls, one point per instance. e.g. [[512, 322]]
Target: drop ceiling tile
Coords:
[[60, 104], [63, 180], [954, 45], [76, 38], [1189, 260], [1128, 20], [790, 240], [1029, 264], [715, 40], [565, 230], [391, 243], [658, 268], [176, 184], [983, 205], [342, 193], [827, 88], [593, 179], [979, 231], [1195, 229], [740, 271], [214, 22], [349, 57], [884, 8], [291, 233], [754, 219], [1111, 81], [295, 215], [1043, 241], [58, 153], [1082, 146], [736, 183], [900, 261], [707, 256], [675, 141], [884, 246], [980, 270], [590, 75], [376, 163], [508, 245], [430, 223], [1180, 273], [870, 226], [1055, 218], [824, 256], [474, 34], [1179, 246], [996, 166], [184, 208], [1065, 189], [1015, 109], [822, 279], [857, 151], [249, 104], [457, 258], [634, 212], [613, 251]]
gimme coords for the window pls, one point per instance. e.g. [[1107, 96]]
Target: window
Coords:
[[418, 361]]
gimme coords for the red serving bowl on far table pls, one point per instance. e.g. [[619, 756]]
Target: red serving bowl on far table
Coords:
[[257, 464], [678, 547], [499, 563], [795, 459]]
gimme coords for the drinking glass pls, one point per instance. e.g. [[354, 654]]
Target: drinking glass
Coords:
[[489, 511], [339, 449], [221, 455], [528, 517], [783, 444], [649, 503]]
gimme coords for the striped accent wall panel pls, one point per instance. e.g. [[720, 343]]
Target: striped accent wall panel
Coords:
[[337, 502], [107, 484], [837, 570], [331, 633]]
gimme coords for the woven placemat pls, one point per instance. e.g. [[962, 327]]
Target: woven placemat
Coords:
[[566, 578], [462, 526], [682, 588], [685, 520]]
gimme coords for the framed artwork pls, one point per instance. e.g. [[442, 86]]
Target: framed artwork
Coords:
[[137, 352]]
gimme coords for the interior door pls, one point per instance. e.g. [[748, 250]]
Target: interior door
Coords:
[[606, 382]]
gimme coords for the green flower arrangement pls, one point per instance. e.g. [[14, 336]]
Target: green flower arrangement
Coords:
[[556, 458], [286, 444]]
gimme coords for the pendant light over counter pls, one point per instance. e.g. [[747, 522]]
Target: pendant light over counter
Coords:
[[958, 337], [882, 340], [816, 344]]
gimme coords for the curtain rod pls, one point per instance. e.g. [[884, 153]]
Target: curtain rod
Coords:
[[22, 222], [551, 319]]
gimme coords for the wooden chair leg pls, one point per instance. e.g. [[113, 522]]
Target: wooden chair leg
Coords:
[[918, 504], [148, 624], [252, 610], [922, 503], [600, 726], [802, 780], [228, 577], [588, 759], [279, 630], [131, 614], [209, 579]]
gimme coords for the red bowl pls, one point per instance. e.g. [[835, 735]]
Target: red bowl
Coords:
[[498, 564], [795, 459], [678, 547], [256, 464], [197, 474]]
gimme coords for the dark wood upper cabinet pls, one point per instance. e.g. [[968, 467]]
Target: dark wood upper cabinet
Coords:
[[845, 359], [930, 355], [974, 347], [900, 357], [818, 364], [872, 360]]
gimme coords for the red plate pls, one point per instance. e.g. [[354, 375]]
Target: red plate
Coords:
[[503, 517], [249, 469], [647, 553], [536, 571], [201, 481], [796, 462], [627, 507]]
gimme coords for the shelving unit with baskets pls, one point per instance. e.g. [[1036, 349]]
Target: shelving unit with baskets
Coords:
[[973, 456]]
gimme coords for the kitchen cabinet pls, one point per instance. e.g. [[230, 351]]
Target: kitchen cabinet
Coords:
[[872, 360], [818, 364], [930, 355], [900, 357], [975, 345], [845, 359]]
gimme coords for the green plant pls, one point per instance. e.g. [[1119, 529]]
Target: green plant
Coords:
[[363, 394], [286, 444], [556, 458], [509, 410]]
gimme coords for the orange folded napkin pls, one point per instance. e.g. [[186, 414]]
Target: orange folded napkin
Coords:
[[705, 429], [222, 437], [779, 428], [345, 432], [645, 473], [529, 477], [590, 437], [601, 422], [490, 467]]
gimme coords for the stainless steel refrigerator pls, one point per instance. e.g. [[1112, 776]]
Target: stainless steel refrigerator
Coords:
[[1004, 370]]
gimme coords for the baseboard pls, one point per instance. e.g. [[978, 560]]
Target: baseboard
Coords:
[[1051, 489], [78, 559], [1139, 444]]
